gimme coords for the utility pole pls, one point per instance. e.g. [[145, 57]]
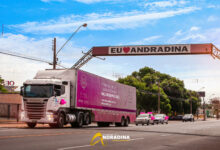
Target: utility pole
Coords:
[[158, 106], [204, 119], [54, 54]]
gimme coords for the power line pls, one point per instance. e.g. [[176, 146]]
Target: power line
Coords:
[[26, 57], [23, 56]]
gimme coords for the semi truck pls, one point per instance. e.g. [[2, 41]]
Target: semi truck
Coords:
[[72, 96]]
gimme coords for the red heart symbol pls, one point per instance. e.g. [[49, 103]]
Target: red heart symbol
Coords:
[[126, 49]]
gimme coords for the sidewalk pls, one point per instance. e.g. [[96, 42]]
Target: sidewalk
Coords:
[[8, 121]]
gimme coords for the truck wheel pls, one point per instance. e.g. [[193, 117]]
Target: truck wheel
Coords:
[[122, 121], [86, 119], [60, 121], [148, 123], [126, 122], [31, 125], [79, 122]]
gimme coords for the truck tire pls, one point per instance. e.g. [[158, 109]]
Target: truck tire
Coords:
[[148, 123], [122, 121], [60, 121], [31, 125], [79, 122], [126, 122], [87, 119]]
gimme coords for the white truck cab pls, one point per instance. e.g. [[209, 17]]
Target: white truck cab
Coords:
[[44, 97]]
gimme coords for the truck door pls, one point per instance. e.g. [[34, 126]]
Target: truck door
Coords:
[[63, 93]]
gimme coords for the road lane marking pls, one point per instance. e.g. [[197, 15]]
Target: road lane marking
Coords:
[[74, 147], [165, 134], [37, 135], [136, 139]]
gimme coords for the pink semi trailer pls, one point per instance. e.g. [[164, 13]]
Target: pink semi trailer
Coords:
[[59, 97]]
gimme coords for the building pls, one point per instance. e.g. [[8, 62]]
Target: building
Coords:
[[10, 105]]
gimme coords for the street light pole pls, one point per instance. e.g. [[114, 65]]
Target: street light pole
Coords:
[[83, 25], [54, 54], [54, 45]]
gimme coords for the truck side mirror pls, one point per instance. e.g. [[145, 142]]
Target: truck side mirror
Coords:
[[22, 90]]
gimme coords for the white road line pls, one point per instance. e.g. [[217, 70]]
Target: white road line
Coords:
[[136, 139], [65, 148], [73, 147], [165, 134]]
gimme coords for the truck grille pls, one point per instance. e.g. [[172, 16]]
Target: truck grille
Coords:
[[35, 110]]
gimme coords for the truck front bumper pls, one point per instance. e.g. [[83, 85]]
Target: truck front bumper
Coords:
[[49, 118]]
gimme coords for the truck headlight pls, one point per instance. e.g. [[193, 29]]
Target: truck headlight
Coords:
[[50, 116]]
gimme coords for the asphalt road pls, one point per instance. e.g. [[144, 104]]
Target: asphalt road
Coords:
[[200, 135]]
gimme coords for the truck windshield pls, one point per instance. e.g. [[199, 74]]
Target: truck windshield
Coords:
[[43, 91]]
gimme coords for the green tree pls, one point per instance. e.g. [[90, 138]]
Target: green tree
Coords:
[[2, 89], [173, 95]]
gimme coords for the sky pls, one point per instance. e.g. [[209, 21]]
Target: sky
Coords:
[[29, 27]]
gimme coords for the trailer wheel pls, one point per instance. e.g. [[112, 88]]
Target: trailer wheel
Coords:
[[60, 121], [31, 125], [122, 121], [126, 122]]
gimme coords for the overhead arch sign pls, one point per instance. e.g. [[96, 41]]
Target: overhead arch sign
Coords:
[[178, 49], [174, 49]]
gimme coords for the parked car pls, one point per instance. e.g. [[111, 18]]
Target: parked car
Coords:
[[161, 118], [188, 117], [145, 119], [171, 117], [179, 117]]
